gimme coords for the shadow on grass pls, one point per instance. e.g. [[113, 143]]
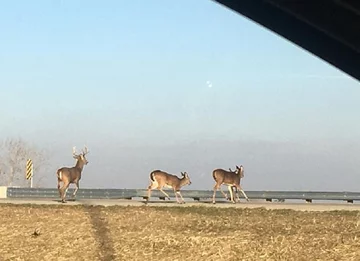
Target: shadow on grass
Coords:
[[102, 233]]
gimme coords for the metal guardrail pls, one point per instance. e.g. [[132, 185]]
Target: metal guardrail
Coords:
[[309, 196]]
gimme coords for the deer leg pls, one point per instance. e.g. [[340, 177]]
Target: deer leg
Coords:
[[178, 192], [183, 201], [63, 191], [149, 193], [59, 188], [176, 196], [215, 189], [66, 190], [237, 193], [150, 187], [164, 193], [231, 194], [76, 189], [225, 195], [243, 192]]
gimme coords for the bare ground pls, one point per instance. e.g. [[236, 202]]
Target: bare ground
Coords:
[[83, 232]]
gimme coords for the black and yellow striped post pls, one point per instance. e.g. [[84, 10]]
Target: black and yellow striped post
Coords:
[[29, 171]]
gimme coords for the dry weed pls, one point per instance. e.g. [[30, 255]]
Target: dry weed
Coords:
[[175, 233]]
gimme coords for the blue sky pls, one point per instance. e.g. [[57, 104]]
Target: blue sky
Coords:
[[133, 76]]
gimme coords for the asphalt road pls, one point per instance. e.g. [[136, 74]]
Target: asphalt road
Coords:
[[252, 204]]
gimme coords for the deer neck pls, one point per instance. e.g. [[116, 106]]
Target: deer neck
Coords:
[[182, 181], [79, 165]]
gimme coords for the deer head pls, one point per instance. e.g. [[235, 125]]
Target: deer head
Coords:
[[240, 170], [186, 177], [81, 157]]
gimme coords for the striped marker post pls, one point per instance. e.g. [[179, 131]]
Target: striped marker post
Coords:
[[29, 171]]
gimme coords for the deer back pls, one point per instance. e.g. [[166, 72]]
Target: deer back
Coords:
[[163, 178], [70, 174], [222, 176]]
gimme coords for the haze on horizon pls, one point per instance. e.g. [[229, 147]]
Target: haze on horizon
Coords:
[[174, 85]]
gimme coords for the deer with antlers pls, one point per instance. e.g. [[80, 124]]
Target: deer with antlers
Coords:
[[160, 179], [71, 175], [231, 179]]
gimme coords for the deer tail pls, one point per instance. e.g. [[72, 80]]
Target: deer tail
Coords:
[[152, 175], [214, 174], [152, 178], [59, 174]]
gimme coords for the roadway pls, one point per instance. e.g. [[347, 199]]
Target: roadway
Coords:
[[329, 206]]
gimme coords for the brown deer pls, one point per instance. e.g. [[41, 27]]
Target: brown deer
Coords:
[[160, 179], [231, 179], [69, 175]]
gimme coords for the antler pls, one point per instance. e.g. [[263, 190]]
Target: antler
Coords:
[[74, 151], [86, 151]]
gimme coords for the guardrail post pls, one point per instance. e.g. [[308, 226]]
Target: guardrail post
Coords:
[[3, 192]]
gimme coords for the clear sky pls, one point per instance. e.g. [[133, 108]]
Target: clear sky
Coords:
[[177, 85]]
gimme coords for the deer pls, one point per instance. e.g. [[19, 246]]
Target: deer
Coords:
[[71, 175], [160, 179], [231, 179]]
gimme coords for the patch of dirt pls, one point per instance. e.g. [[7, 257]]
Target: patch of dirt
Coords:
[[48, 232]]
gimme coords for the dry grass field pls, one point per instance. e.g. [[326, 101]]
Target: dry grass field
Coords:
[[175, 233]]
